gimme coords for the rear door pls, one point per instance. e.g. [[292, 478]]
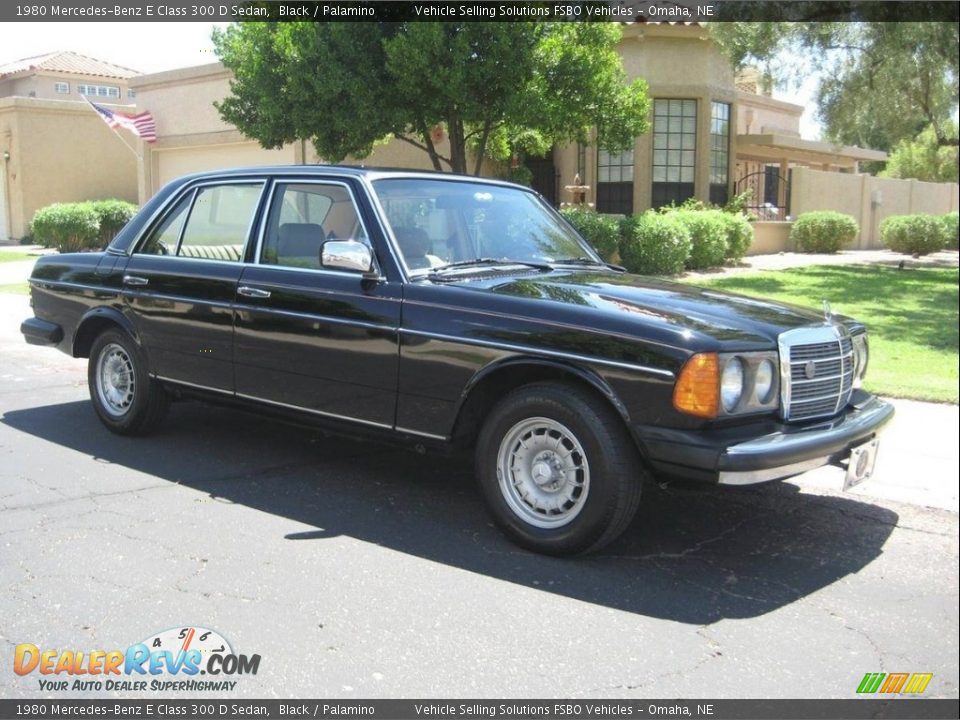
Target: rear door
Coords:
[[308, 337], [181, 282]]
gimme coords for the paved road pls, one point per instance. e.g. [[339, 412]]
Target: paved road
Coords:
[[361, 571]]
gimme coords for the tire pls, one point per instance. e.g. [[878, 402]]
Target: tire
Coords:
[[126, 399], [558, 470]]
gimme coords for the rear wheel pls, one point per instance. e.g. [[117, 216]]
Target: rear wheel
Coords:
[[558, 470], [124, 396]]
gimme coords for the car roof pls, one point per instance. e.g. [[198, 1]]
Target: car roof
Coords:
[[371, 173]]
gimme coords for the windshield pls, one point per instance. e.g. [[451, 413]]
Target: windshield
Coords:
[[441, 222]]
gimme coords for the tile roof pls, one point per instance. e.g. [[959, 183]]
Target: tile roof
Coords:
[[69, 62]]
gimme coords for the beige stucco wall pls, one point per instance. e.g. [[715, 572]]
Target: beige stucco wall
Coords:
[[181, 101], [770, 238], [868, 199], [60, 151], [761, 114]]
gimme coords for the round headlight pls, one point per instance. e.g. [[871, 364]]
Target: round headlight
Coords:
[[763, 382], [731, 384]]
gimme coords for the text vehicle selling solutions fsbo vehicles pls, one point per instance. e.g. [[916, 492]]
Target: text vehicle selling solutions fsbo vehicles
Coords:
[[459, 311]]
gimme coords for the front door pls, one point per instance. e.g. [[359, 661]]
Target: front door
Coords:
[[311, 338]]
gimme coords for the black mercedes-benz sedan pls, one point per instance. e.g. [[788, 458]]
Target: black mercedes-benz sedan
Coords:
[[455, 311]]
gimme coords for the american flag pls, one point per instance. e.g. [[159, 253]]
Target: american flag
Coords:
[[141, 124]]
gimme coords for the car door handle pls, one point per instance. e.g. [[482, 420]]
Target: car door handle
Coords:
[[253, 292], [135, 280]]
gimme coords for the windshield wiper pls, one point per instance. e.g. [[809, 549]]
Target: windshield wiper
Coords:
[[577, 261], [489, 261], [587, 261]]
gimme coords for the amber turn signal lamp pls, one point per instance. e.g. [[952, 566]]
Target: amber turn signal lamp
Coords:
[[697, 391]]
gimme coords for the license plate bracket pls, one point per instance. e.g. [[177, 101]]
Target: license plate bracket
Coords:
[[863, 459]]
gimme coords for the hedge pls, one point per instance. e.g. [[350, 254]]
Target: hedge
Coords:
[[951, 229], [68, 227], [72, 227], [601, 231], [708, 237], [823, 231], [739, 233], [914, 234], [654, 244], [113, 215]]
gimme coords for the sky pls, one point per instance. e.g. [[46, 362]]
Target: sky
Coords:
[[145, 47], [156, 46]]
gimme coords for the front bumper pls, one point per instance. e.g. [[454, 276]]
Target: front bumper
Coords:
[[749, 454]]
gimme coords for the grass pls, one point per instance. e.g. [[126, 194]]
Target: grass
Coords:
[[12, 256], [911, 316], [16, 289]]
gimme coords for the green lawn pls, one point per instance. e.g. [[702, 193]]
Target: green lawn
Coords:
[[13, 256], [16, 289], [911, 315]]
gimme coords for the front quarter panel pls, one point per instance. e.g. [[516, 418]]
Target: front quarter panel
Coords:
[[451, 338]]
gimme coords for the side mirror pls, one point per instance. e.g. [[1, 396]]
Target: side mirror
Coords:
[[347, 255]]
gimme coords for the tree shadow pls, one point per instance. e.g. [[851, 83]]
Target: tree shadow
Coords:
[[693, 555]]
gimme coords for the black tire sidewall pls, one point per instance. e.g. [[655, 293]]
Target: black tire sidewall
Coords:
[[589, 423]]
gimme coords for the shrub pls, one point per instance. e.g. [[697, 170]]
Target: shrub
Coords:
[[951, 229], [69, 227], [72, 227], [113, 215], [654, 244], [739, 234], [708, 237], [601, 231], [913, 234], [823, 231]]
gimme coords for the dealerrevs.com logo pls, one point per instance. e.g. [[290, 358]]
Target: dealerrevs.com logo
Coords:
[[188, 658]]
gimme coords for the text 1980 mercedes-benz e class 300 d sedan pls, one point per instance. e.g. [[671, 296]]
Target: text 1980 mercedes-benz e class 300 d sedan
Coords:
[[459, 311]]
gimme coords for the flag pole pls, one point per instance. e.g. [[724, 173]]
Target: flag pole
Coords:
[[115, 131]]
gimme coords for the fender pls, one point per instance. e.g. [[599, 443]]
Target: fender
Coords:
[[103, 313], [583, 374]]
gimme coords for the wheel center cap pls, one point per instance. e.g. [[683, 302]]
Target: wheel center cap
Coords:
[[542, 473]]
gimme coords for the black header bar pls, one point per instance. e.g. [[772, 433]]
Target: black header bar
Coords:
[[215, 708], [487, 10]]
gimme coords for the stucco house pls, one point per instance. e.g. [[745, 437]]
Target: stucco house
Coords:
[[53, 146]]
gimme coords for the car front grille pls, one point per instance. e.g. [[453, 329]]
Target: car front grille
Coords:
[[816, 366]]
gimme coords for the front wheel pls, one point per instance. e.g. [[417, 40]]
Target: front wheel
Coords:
[[558, 470], [124, 396]]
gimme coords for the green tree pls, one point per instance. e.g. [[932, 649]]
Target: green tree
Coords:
[[492, 87], [880, 82], [923, 158]]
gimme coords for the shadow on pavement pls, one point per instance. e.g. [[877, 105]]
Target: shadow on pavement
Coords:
[[693, 554]]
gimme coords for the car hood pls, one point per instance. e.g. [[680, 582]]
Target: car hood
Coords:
[[681, 314]]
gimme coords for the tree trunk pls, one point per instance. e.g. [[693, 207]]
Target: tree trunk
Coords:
[[431, 148], [458, 145]]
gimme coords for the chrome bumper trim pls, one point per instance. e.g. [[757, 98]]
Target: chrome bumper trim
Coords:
[[752, 477]]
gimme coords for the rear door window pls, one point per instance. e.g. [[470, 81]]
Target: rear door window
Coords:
[[219, 222]]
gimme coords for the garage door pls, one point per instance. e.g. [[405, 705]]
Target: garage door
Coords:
[[172, 163]]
